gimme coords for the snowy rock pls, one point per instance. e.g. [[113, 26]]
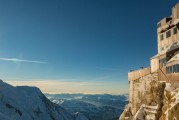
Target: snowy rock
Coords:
[[28, 103]]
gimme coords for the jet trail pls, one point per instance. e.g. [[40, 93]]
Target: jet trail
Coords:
[[20, 60]]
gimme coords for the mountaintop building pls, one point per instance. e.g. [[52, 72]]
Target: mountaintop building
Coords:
[[154, 91], [166, 62]]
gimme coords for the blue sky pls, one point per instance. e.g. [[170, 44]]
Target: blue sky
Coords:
[[94, 42]]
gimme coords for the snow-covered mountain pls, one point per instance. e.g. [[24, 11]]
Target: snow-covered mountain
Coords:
[[28, 103], [94, 107]]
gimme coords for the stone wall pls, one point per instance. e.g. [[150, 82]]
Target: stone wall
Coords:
[[145, 98], [140, 91], [152, 100]]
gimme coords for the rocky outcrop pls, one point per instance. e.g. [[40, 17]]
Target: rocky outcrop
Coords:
[[170, 110], [151, 99]]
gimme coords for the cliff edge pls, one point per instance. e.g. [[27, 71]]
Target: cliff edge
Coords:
[[150, 99]]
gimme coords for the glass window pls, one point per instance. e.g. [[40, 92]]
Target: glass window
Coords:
[[168, 34], [174, 68], [163, 61], [178, 68], [161, 37], [175, 30], [171, 70], [168, 71]]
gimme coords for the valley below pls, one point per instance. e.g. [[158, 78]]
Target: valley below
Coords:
[[92, 107]]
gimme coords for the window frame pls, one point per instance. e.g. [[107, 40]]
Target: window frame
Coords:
[[161, 37], [172, 69], [168, 34], [175, 30]]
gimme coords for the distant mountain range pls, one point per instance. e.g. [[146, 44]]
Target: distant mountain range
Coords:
[[93, 107], [29, 103]]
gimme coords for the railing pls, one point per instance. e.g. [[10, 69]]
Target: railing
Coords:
[[134, 75]]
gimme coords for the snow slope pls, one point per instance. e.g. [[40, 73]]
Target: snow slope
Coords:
[[28, 103]]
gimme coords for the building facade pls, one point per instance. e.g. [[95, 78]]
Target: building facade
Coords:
[[166, 61], [146, 85]]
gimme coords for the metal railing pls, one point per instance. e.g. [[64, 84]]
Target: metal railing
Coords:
[[162, 75]]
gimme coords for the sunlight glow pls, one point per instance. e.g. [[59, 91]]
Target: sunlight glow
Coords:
[[57, 87]]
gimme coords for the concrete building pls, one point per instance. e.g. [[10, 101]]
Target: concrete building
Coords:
[[164, 66], [166, 61]]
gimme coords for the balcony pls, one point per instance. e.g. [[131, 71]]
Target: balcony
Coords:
[[134, 75]]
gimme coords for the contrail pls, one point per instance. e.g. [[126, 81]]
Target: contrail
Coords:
[[20, 60]]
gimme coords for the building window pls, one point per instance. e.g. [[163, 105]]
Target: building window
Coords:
[[168, 70], [163, 62], [168, 34], [161, 37], [175, 30], [173, 69]]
